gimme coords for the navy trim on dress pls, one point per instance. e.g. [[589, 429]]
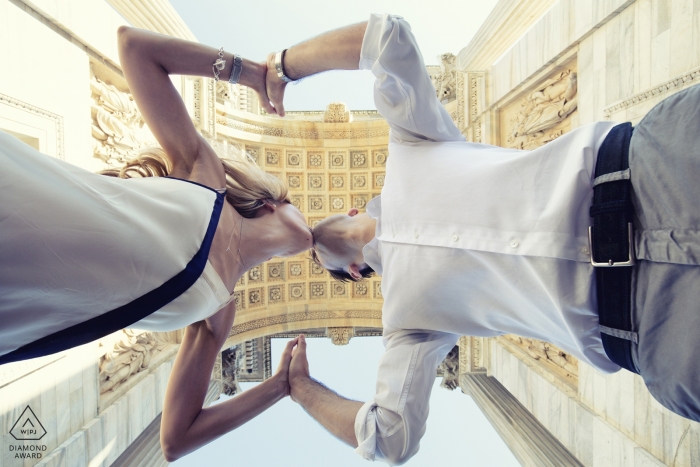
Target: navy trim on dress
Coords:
[[194, 183], [125, 315]]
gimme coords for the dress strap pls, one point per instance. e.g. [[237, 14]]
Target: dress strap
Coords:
[[220, 191]]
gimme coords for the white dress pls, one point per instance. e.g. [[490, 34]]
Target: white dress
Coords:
[[83, 255]]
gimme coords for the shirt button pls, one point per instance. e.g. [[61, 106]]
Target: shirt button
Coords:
[[415, 236], [455, 238], [585, 250], [514, 244]]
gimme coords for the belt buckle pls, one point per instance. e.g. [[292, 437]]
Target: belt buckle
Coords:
[[610, 264]]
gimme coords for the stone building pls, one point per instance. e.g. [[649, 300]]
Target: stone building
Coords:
[[535, 70]]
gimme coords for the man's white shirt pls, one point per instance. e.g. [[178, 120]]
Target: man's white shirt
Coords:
[[471, 240]]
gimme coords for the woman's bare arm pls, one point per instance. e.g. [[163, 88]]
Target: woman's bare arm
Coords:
[[147, 59], [186, 425]]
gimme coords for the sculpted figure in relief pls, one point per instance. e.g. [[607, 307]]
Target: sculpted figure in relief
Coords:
[[446, 83], [547, 353], [131, 352], [117, 124], [231, 365], [450, 369], [551, 103]]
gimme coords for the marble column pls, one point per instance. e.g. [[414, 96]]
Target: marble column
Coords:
[[145, 451], [531, 443]]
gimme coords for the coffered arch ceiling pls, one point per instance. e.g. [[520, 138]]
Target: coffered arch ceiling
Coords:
[[331, 161]]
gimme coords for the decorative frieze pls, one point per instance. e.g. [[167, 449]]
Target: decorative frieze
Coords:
[[547, 356], [686, 79], [304, 316]]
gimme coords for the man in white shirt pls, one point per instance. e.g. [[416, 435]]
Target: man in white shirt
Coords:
[[472, 239]]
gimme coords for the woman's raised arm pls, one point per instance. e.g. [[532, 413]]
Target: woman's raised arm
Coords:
[[147, 59], [186, 425]]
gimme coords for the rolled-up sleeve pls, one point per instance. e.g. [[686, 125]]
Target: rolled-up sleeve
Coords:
[[403, 92], [389, 428]]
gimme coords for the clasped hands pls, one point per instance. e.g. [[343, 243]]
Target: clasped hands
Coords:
[[263, 79], [293, 369]]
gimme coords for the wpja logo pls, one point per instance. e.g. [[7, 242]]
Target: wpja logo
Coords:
[[28, 428]]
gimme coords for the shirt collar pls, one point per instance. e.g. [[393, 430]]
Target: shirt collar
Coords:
[[370, 252]]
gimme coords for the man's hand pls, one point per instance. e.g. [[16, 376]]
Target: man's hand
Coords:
[[299, 367], [274, 88], [282, 373]]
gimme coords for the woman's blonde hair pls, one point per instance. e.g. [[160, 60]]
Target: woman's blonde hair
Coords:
[[247, 185]]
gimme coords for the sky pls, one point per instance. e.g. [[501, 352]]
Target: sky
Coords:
[[254, 29], [457, 431]]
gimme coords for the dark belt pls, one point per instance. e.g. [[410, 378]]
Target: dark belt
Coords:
[[611, 245]]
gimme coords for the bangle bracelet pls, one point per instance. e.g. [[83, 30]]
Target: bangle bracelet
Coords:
[[280, 68], [236, 69], [219, 64]]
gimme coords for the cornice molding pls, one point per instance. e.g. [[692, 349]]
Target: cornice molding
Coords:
[[307, 130], [675, 84], [155, 15], [303, 316], [506, 24]]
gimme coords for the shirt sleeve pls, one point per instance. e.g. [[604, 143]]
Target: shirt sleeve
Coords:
[[389, 428], [403, 92]]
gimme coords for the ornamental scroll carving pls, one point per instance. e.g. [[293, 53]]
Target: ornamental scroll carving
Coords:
[[340, 336], [543, 109], [549, 356], [128, 352], [337, 112], [117, 125]]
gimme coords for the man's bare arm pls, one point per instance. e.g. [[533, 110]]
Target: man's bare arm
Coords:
[[334, 50], [334, 412]]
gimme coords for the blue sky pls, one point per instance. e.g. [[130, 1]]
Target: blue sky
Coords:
[[457, 433]]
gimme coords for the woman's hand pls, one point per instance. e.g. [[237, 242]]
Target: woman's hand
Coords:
[[254, 75], [274, 87], [281, 376]]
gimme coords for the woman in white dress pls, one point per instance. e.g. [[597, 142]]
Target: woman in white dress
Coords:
[[83, 255]]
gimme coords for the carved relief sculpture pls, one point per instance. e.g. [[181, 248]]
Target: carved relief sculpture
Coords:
[[129, 352], [549, 104], [449, 369], [337, 112], [446, 82], [551, 357], [117, 125], [231, 365], [340, 336]]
